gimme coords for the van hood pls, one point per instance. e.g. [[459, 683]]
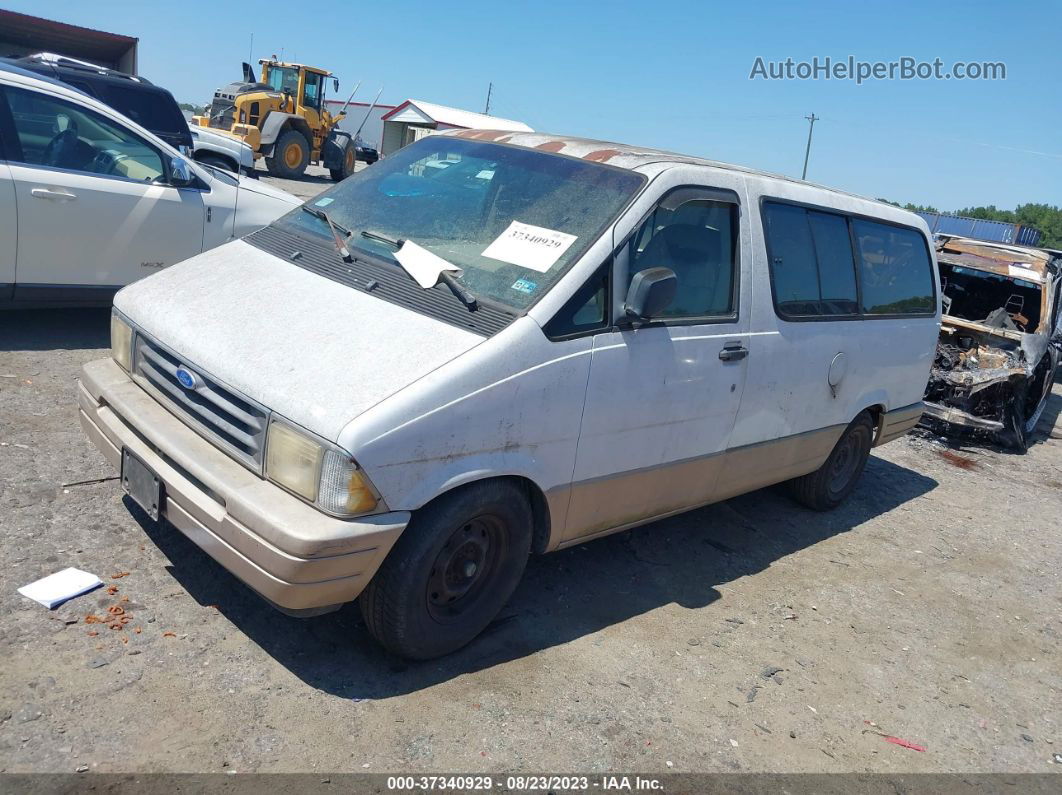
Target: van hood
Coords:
[[306, 347]]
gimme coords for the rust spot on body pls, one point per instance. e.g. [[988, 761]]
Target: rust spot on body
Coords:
[[602, 155], [551, 146], [498, 136]]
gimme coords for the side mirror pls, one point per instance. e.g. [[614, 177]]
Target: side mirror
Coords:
[[181, 174], [652, 291], [335, 85]]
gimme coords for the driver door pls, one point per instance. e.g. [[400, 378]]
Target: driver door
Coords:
[[91, 218]]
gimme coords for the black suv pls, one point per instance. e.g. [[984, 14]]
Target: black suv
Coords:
[[151, 107]]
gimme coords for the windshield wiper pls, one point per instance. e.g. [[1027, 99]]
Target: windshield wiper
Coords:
[[464, 295], [335, 228]]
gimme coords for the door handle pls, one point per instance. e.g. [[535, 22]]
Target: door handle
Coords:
[[52, 195], [733, 352]]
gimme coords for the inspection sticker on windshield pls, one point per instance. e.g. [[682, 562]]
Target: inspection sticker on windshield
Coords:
[[524, 286], [323, 202], [532, 247]]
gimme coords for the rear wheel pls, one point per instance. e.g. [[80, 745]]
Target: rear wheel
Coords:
[[291, 155], [451, 572], [826, 487], [347, 167]]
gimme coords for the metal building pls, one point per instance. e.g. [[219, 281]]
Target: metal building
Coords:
[[22, 34], [414, 119], [360, 115]]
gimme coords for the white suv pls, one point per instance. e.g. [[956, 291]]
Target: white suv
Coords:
[[90, 201]]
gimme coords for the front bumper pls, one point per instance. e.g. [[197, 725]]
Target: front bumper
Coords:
[[288, 551]]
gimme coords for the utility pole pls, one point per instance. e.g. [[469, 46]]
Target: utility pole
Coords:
[[490, 88], [807, 152]]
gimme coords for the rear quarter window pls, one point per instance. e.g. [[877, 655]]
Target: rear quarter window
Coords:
[[896, 275], [153, 110]]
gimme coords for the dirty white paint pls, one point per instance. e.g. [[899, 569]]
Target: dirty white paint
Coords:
[[313, 350], [425, 407]]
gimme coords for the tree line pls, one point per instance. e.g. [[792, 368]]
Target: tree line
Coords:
[[1045, 217]]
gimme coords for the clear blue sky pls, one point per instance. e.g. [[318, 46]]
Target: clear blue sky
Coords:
[[672, 74]]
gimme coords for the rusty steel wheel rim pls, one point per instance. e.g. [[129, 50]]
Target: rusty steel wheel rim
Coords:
[[350, 160], [465, 566]]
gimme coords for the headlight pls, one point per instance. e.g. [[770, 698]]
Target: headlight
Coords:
[[318, 472], [121, 341]]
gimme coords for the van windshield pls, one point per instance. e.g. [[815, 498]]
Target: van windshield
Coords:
[[512, 219]]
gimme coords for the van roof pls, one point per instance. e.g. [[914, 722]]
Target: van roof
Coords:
[[625, 155]]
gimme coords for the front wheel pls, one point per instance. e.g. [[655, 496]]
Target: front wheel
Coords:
[[451, 571], [291, 155], [826, 487], [347, 166]]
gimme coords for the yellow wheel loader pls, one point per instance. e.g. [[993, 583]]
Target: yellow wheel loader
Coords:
[[284, 119]]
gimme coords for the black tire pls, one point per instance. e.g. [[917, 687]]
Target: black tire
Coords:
[[829, 485], [291, 155], [1014, 433], [451, 571], [349, 159], [217, 161]]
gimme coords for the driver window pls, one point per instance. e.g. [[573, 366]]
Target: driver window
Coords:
[[59, 134], [696, 240]]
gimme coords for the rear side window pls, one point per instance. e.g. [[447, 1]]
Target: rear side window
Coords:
[[155, 111], [812, 270], [894, 269]]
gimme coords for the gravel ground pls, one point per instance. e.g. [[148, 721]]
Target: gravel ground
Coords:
[[315, 180], [752, 635]]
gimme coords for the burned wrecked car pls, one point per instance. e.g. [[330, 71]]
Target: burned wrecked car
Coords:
[[999, 338]]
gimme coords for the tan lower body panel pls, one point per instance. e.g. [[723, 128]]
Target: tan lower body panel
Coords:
[[897, 422], [285, 549], [619, 502]]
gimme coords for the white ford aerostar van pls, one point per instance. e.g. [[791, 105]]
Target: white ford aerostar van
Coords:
[[403, 388]]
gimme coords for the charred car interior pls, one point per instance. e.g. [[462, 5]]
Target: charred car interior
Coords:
[[999, 338]]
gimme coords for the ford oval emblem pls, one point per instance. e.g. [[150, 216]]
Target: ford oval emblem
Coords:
[[187, 378]]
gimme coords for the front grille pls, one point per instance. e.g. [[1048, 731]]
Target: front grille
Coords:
[[235, 423]]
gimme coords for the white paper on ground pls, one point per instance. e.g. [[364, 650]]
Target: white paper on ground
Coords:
[[55, 589], [532, 247], [422, 265]]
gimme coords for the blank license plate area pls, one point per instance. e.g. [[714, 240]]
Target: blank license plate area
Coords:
[[141, 484]]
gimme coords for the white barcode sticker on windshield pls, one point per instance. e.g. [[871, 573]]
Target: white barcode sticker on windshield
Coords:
[[532, 247]]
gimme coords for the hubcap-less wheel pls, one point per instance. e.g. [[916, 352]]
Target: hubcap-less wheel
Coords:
[[464, 567], [844, 464], [350, 160], [451, 571], [828, 485]]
